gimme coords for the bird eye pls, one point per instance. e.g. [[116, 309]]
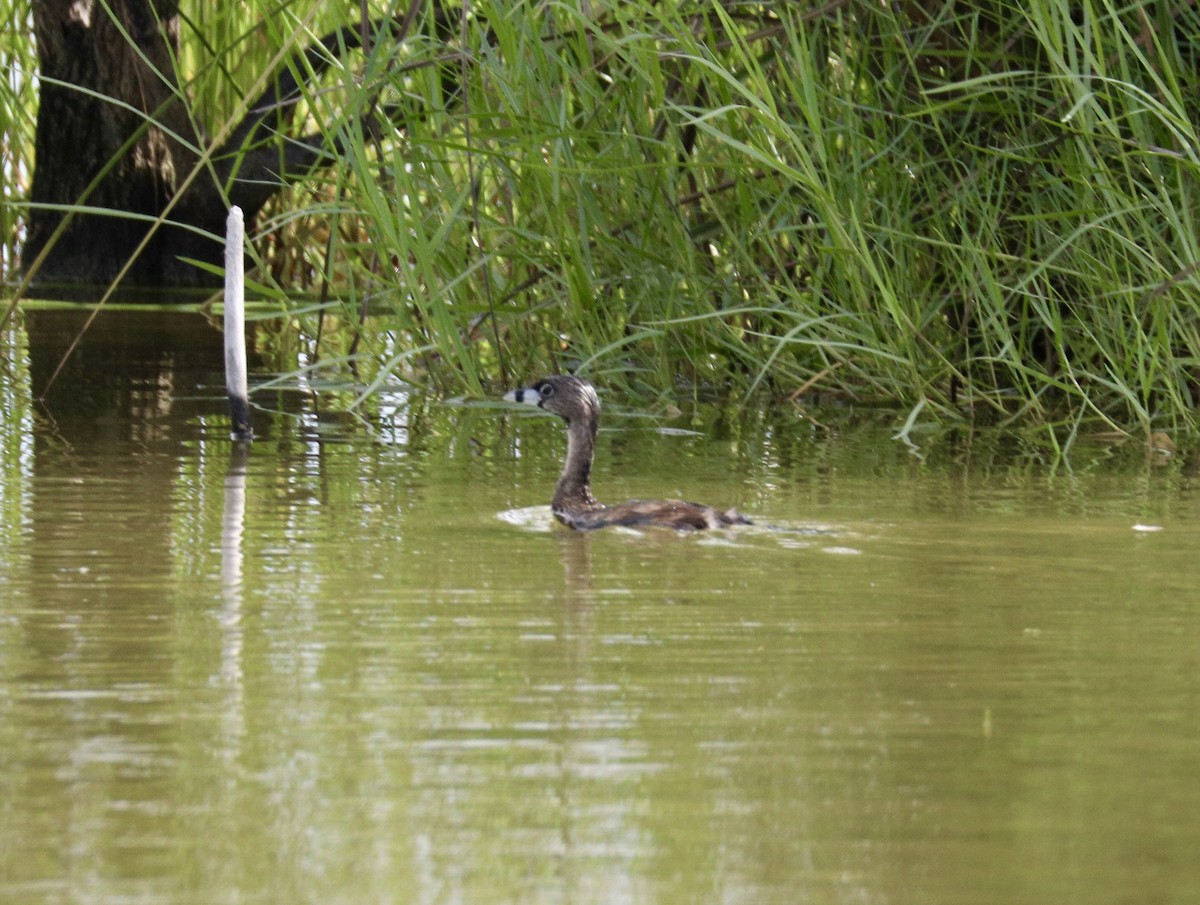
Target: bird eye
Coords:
[[547, 390]]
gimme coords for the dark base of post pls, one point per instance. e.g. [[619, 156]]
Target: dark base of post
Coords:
[[239, 413]]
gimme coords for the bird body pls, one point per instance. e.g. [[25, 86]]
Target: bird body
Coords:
[[575, 401]]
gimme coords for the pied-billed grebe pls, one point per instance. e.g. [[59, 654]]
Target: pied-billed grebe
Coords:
[[576, 402]]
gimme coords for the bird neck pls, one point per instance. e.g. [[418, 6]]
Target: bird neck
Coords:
[[574, 484]]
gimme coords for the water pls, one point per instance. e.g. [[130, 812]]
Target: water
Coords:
[[363, 666]]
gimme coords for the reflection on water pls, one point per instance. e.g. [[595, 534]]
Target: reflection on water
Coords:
[[324, 669]]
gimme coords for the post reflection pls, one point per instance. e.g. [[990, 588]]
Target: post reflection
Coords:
[[233, 525]]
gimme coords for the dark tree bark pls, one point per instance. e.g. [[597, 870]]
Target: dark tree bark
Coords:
[[113, 132], [81, 49]]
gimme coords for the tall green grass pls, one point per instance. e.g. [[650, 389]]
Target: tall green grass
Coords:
[[967, 210], [18, 110], [983, 213]]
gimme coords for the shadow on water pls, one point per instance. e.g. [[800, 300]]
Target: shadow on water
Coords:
[[140, 386], [110, 439], [132, 372]]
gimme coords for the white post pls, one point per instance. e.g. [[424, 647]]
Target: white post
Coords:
[[236, 383]]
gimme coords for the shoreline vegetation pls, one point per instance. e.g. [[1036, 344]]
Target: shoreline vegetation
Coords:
[[980, 212]]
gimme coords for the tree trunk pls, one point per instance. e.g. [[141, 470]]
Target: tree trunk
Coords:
[[119, 140], [115, 134]]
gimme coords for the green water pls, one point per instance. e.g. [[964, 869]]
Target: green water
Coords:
[[362, 666]]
